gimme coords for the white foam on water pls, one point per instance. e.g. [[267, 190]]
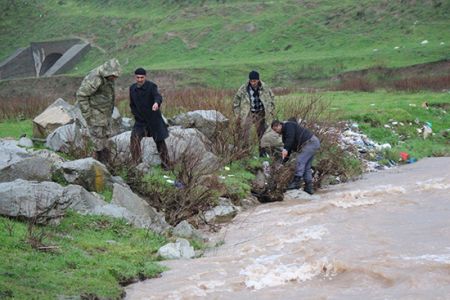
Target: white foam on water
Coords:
[[258, 276], [440, 258], [315, 232], [364, 197], [433, 184]]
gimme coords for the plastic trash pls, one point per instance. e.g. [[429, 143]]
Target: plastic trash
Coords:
[[404, 156], [411, 160]]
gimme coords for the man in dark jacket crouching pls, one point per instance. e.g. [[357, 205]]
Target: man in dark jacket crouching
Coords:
[[145, 103], [298, 139]]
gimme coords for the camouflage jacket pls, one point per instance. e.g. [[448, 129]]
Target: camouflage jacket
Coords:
[[242, 106], [96, 96]]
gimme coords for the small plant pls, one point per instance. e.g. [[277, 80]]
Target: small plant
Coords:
[[107, 194]]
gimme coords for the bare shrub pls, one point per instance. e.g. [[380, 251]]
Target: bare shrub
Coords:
[[311, 111], [194, 190], [415, 84], [355, 84]]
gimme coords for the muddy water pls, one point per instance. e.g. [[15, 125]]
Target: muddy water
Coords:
[[386, 236]]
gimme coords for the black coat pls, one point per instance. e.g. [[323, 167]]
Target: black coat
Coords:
[[141, 102], [294, 136]]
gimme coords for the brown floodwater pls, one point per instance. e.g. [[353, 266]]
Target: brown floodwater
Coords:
[[386, 236]]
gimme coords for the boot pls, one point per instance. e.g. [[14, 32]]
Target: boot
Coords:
[[295, 183], [309, 187]]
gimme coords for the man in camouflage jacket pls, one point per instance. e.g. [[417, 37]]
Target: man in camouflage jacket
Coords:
[[95, 98], [253, 104]]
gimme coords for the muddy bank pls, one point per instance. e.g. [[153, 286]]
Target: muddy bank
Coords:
[[385, 236]]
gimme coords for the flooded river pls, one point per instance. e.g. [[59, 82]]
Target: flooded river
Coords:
[[386, 236]]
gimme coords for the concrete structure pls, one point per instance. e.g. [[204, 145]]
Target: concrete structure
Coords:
[[43, 59]]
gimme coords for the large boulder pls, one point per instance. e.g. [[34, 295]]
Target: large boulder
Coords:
[[146, 216], [11, 153], [69, 138], [37, 201], [59, 113], [87, 172], [30, 168], [179, 141], [180, 249], [206, 121], [221, 213]]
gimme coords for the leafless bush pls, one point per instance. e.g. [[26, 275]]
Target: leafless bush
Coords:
[[8, 225], [331, 160], [195, 189], [355, 84], [415, 84]]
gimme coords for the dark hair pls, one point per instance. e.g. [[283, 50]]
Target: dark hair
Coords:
[[140, 71], [275, 123], [253, 75]]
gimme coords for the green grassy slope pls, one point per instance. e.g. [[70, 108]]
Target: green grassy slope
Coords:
[[217, 42]]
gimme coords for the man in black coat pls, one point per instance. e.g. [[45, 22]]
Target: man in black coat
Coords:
[[298, 139], [145, 104]]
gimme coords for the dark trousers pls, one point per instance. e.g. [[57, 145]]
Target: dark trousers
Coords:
[[137, 134], [257, 119], [305, 158]]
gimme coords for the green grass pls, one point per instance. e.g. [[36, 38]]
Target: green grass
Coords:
[[372, 111], [93, 255], [218, 43], [14, 129]]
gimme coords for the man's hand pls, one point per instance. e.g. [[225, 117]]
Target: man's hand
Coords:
[[284, 154], [155, 107]]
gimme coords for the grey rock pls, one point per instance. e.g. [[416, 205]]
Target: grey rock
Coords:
[[185, 230], [180, 249], [59, 113], [299, 195], [223, 212], [41, 202], [145, 215], [30, 168], [11, 153], [87, 172], [206, 121], [116, 122], [67, 138], [127, 124], [25, 142], [120, 147]]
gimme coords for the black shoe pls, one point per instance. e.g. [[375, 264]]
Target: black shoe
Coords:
[[309, 187], [295, 183]]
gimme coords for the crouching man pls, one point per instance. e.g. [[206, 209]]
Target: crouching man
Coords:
[[298, 139]]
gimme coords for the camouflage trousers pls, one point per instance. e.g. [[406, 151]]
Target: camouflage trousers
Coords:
[[99, 136]]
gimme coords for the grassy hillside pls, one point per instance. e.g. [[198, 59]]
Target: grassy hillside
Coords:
[[218, 42]]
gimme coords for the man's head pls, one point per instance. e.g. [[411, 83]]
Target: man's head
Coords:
[[277, 126], [110, 69], [253, 77], [140, 75]]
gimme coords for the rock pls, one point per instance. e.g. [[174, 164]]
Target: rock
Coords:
[[48, 154], [150, 155], [223, 212], [249, 202], [299, 195], [146, 216], [193, 141], [120, 147], [206, 121], [127, 124], [116, 122], [67, 139], [30, 168], [11, 153], [25, 142], [41, 202], [185, 230], [271, 139], [59, 113], [180, 249], [87, 172]]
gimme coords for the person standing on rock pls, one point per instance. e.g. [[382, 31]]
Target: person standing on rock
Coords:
[[145, 104], [96, 97], [298, 139], [253, 105]]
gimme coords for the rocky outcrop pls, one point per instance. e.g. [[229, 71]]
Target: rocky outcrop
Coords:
[[58, 114], [69, 138], [87, 172], [223, 212], [11, 153], [146, 216], [206, 121], [180, 249], [30, 168]]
